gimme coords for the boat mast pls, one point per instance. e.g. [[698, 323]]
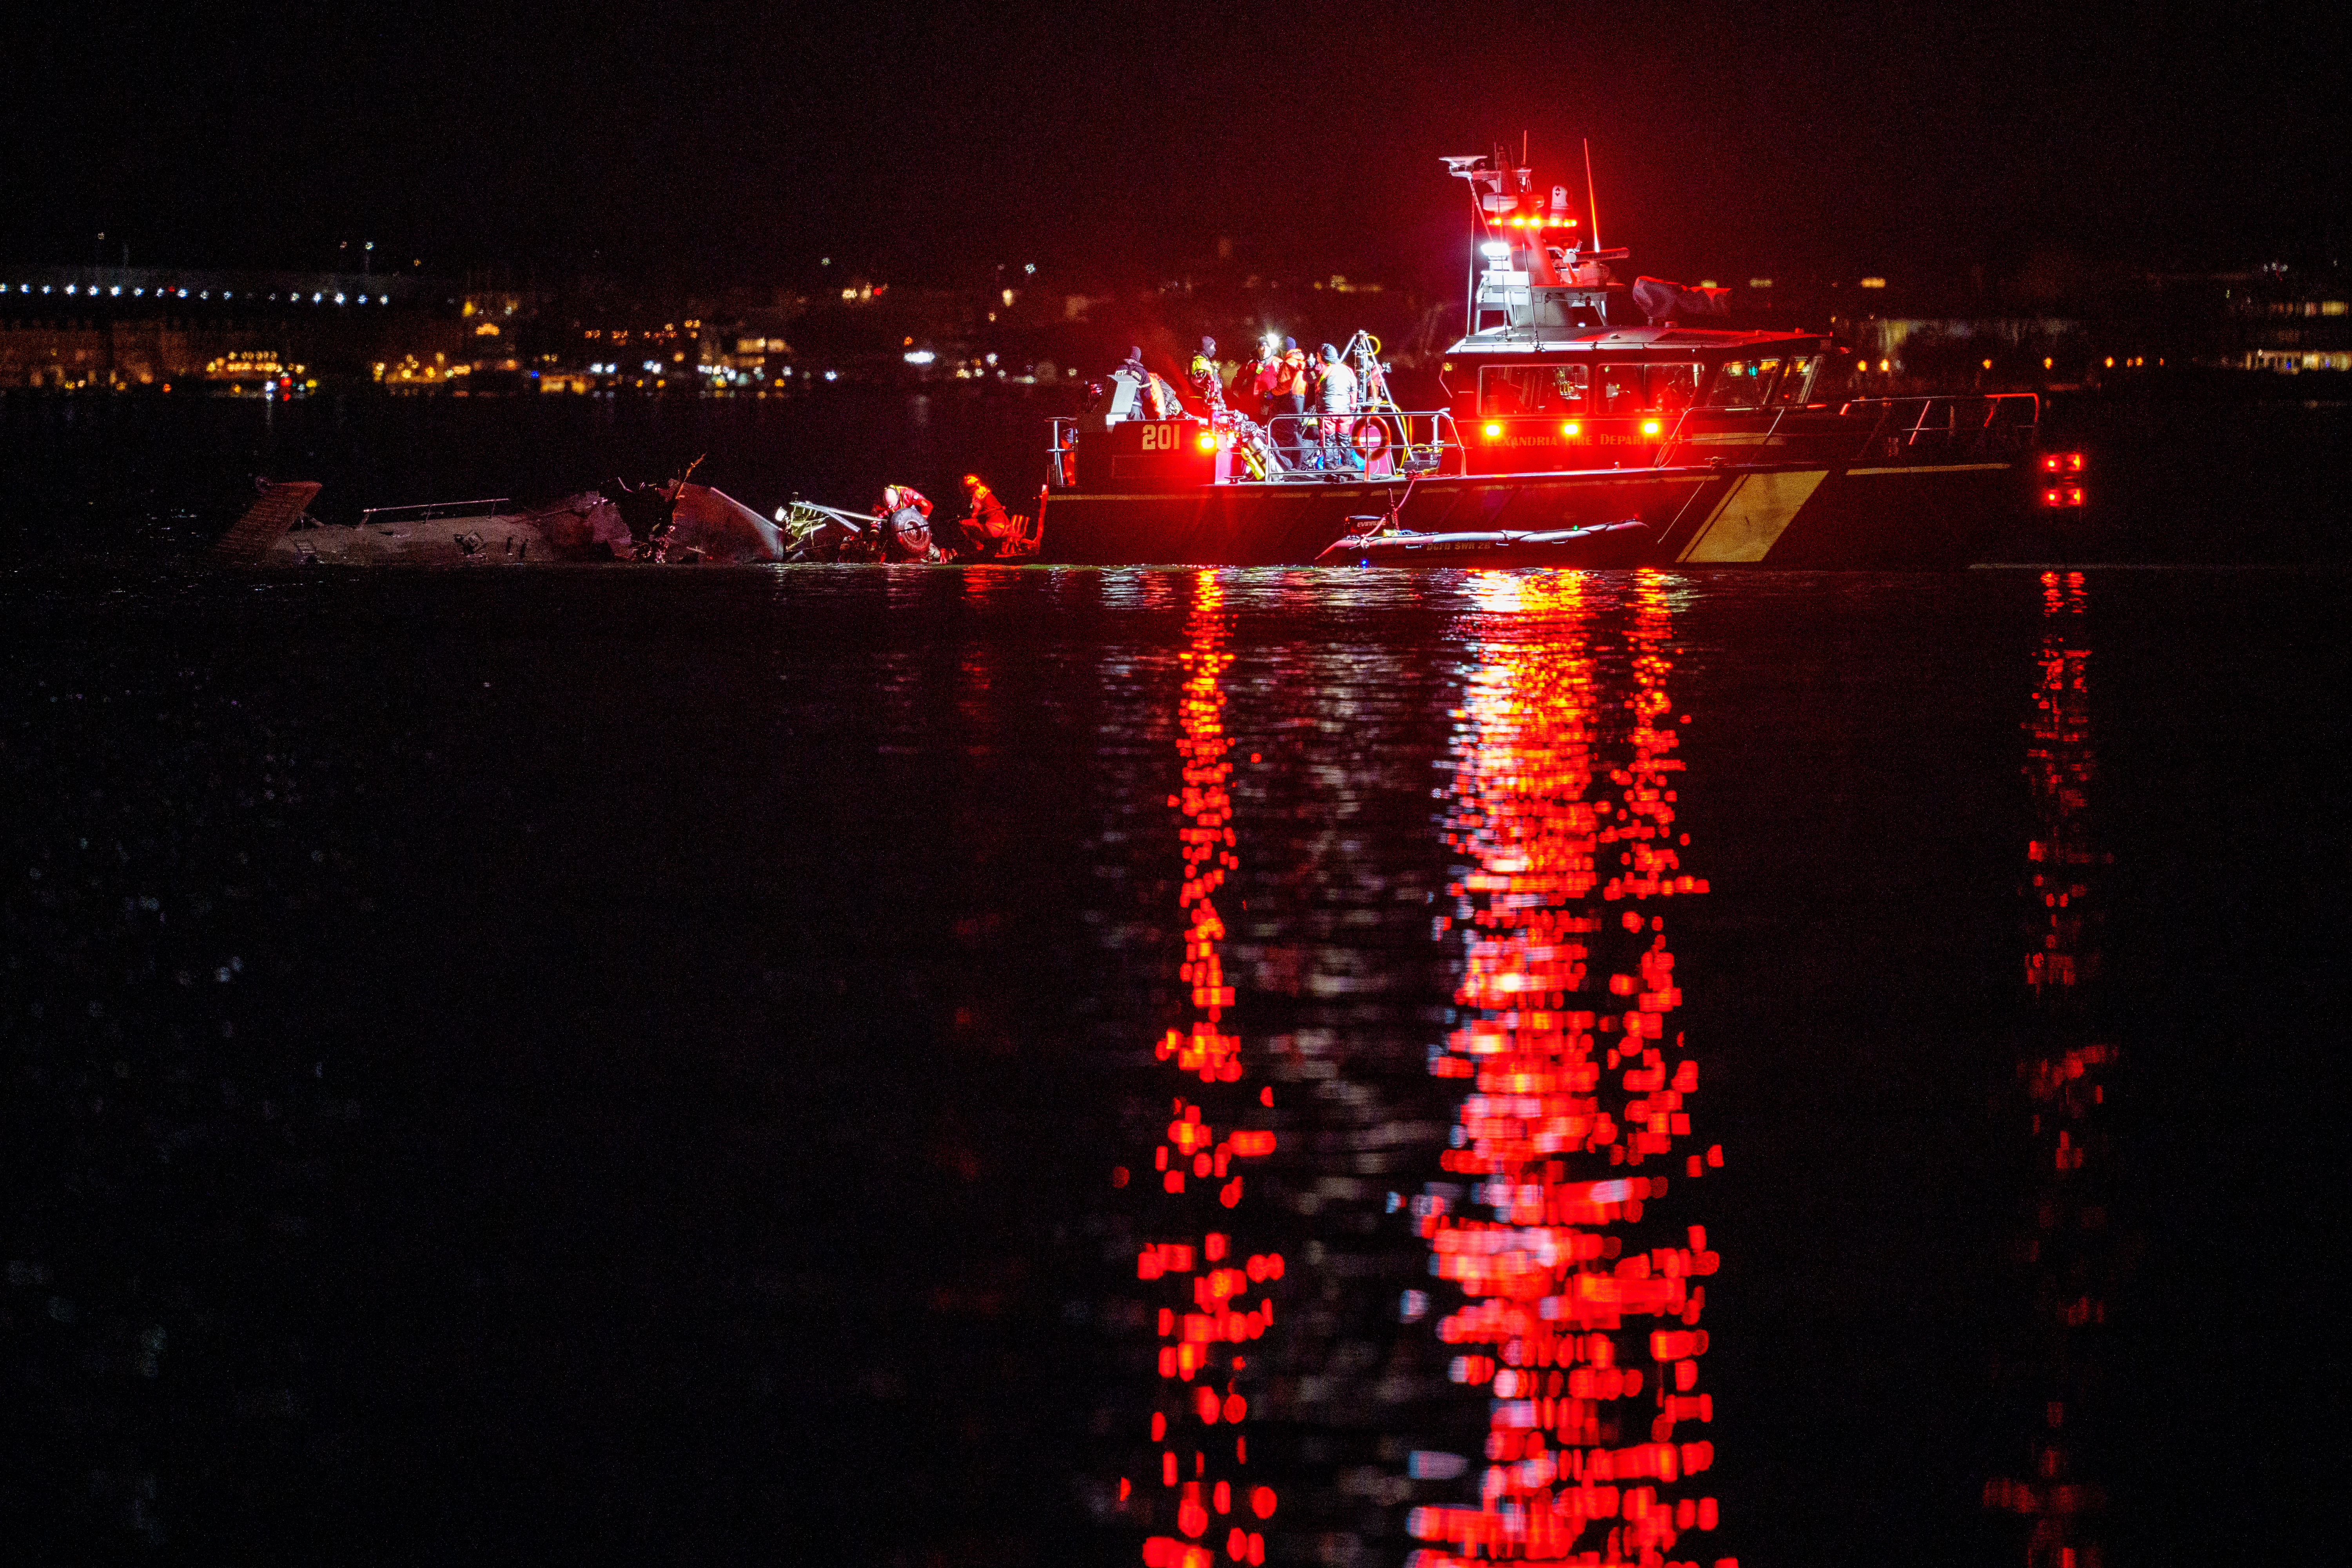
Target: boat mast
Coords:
[[1592, 202], [1477, 233]]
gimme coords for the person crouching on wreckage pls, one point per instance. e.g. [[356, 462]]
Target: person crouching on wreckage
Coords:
[[986, 526]]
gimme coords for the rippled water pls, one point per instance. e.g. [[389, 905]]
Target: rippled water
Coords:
[[611, 1064]]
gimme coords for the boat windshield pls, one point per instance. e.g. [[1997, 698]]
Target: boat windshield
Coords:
[[1797, 380], [1636, 388], [1619, 388], [1744, 383]]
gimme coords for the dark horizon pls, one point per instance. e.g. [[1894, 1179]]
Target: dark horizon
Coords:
[[737, 146]]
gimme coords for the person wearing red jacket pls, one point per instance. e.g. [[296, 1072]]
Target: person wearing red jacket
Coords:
[[985, 525], [1285, 406], [1251, 383]]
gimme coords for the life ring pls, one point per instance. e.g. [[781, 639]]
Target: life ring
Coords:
[[1369, 436]]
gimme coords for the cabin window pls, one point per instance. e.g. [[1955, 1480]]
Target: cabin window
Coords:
[[1797, 382], [1646, 388], [1533, 389], [1744, 383], [1672, 387]]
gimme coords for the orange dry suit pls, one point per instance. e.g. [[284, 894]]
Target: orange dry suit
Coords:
[[1159, 399], [1292, 379], [895, 498], [988, 526]]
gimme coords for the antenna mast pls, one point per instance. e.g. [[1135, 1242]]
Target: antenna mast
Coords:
[[1591, 204]]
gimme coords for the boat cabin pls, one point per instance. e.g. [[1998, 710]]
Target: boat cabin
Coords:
[[1531, 399]]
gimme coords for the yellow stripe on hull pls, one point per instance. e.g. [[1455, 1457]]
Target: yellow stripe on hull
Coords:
[[1751, 517]]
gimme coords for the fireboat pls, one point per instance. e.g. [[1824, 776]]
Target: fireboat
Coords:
[[1564, 441]]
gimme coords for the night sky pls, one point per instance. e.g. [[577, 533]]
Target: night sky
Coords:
[[740, 143]]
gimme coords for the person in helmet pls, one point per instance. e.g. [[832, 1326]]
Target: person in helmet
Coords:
[[985, 525]]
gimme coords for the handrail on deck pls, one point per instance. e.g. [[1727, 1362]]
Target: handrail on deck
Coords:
[[1906, 422], [1312, 443], [1977, 437]]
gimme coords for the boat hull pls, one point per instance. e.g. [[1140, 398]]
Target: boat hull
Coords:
[[1924, 516]]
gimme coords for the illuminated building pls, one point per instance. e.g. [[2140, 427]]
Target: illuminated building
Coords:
[[1213, 1298], [1571, 1301]]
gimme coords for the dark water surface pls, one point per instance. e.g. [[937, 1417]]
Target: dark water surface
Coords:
[[602, 1065]]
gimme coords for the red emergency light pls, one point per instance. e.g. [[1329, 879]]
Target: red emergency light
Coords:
[[2061, 462], [1494, 431], [2061, 495]]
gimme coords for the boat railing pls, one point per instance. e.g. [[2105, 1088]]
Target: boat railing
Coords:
[[1377, 442], [1374, 443], [1961, 428], [1894, 431], [434, 511]]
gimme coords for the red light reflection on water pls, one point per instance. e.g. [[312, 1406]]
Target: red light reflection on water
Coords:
[[1216, 1297], [2065, 1077], [1582, 1323]]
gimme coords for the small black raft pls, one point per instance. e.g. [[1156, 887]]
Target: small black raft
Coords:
[[1602, 544]]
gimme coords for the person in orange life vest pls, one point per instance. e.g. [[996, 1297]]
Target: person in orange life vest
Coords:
[[1155, 398], [985, 523], [1288, 400]]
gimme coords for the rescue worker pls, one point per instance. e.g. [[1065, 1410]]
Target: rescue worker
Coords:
[[1247, 396], [1287, 405], [1336, 396], [1155, 398], [985, 525], [1202, 373]]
